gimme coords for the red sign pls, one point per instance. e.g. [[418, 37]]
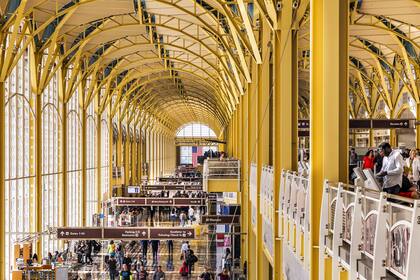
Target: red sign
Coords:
[[126, 233], [131, 201], [172, 233], [79, 233], [188, 201]]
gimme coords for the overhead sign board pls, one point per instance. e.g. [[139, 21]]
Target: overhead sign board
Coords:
[[173, 187], [159, 201], [130, 201], [79, 233], [302, 124], [360, 124], [189, 201], [172, 233], [390, 124], [126, 233], [220, 219]]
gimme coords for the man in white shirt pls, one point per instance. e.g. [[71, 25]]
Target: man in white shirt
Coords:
[[392, 169], [191, 214]]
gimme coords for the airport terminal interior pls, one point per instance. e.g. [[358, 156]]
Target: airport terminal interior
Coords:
[[209, 139]]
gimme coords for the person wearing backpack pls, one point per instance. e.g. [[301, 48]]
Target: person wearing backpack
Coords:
[[191, 259], [112, 267]]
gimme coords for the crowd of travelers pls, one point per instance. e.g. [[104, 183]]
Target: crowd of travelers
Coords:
[[397, 170]]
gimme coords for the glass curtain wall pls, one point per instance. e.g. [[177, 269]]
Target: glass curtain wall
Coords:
[[91, 164], [51, 162], [74, 173], [20, 163]]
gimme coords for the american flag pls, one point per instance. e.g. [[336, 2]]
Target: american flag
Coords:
[[196, 152]]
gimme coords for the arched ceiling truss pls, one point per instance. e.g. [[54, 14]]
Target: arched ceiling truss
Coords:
[[165, 61]]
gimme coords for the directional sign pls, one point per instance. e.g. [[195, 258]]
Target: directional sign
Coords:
[[79, 233], [220, 219], [126, 233], [172, 233], [391, 123], [130, 201], [173, 187], [159, 201], [189, 201]]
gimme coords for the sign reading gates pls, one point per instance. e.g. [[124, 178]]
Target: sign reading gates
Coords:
[[220, 219], [126, 233], [172, 233], [79, 233]]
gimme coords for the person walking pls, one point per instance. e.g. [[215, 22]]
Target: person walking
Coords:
[[125, 273], [392, 169], [119, 252], [144, 247], [170, 244], [413, 166], [206, 275], [224, 275], [111, 248], [159, 274], [228, 259], [155, 248], [112, 267], [191, 259], [143, 273], [184, 249], [191, 212]]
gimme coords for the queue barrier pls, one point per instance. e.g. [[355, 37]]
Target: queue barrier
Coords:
[[294, 223], [368, 234]]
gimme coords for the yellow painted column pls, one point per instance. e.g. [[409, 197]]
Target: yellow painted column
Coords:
[[393, 137], [99, 156], [38, 169], [245, 178], [263, 132], [418, 126], [2, 182], [329, 110], [285, 114], [63, 109], [252, 96], [84, 165], [371, 138], [111, 152]]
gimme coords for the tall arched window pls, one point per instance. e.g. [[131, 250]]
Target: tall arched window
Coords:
[[196, 130]]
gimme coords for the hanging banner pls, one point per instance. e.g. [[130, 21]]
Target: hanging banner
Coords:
[[253, 194]]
